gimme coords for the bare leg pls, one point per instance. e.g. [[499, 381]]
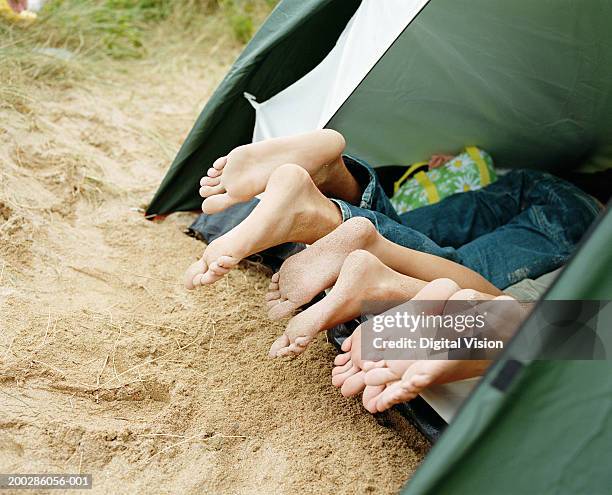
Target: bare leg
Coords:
[[293, 210], [315, 269], [245, 171]]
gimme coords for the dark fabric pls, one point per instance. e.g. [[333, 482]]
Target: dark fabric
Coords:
[[598, 184]]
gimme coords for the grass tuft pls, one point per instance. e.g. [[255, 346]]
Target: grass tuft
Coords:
[[70, 38]]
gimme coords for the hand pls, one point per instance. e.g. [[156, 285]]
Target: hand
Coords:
[[18, 5], [438, 160]]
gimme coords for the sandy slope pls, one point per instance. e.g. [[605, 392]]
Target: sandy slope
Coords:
[[106, 364]]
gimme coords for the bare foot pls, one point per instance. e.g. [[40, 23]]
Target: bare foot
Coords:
[[362, 278], [348, 374], [293, 210], [402, 381], [315, 269], [393, 382], [309, 272], [349, 370], [245, 171]]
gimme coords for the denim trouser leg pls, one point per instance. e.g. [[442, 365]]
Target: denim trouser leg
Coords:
[[523, 225], [373, 197], [376, 206], [539, 239], [463, 217]]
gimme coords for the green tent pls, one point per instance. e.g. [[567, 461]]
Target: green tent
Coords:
[[535, 426], [530, 82], [527, 81]]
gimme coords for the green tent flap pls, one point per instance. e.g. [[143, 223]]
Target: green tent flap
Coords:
[[550, 430], [294, 39], [549, 434]]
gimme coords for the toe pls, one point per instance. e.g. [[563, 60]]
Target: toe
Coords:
[[192, 275], [343, 365], [303, 342], [339, 378], [424, 373], [300, 331], [220, 163], [282, 310], [206, 191], [272, 303], [273, 295], [213, 172], [341, 360], [228, 262], [421, 382], [275, 277], [370, 396], [380, 376], [273, 287], [217, 203], [289, 352], [279, 344], [217, 269], [370, 365], [210, 181], [394, 394], [346, 345], [209, 277]]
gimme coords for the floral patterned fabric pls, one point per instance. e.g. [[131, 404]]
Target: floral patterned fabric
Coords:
[[471, 170]]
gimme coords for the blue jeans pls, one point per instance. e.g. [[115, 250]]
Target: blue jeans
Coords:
[[525, 224]]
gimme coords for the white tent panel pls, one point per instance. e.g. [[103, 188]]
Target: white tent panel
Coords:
[[312, 101], [447, 399]]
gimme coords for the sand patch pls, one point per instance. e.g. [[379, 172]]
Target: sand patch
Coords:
[[107, 365]]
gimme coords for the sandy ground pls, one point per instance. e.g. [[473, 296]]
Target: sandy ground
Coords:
[[107, 365]]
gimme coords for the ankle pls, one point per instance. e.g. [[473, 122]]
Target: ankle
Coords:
[[332, 218]]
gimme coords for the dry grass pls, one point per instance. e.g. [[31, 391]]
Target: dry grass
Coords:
[[77, 39]]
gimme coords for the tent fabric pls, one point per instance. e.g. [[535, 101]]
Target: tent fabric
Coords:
[[550, 431], [527, 81], [310, 102], [297, 35], [549, 435]]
